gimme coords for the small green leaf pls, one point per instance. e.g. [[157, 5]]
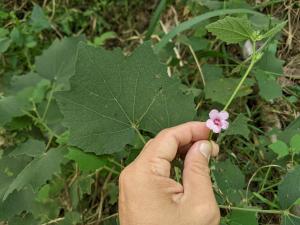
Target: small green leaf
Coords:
[[4, 44], [274, 30], [196, 43], [17, 105], [280, 148], [71, 218], [38, 171], [38, 19], [295, 143], [232, 29], [31, 148], [99, 41], [297, 202], [87, 162], [289, 189], [243, 218]]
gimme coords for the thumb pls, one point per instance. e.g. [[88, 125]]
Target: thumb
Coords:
[[196, 174]]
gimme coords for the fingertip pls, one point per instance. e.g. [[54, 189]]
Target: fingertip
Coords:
[[215, 149]]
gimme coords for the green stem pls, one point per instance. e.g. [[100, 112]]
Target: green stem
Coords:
[[253, 61], [48, 102], [253, 210], [139, 134]]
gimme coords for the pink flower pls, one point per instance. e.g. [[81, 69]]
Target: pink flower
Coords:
[[217, 121]]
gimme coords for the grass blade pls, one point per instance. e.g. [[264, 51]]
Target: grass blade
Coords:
[[155, 18]]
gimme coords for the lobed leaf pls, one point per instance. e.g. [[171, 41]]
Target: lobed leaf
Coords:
[[57, 63], [113, 98]]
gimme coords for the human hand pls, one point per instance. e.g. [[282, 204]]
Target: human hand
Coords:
[[148, 196]]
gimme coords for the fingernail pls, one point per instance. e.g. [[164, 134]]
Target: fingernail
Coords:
[[205, 149]]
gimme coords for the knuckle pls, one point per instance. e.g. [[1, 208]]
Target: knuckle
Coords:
[[126, 175], [213, 216], [164, 132], [160, 167]]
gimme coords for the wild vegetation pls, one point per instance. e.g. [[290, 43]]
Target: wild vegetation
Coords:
[[84, 84]]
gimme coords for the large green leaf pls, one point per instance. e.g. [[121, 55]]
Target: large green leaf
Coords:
[[289, 189], [232, 29], [38, 171], [230, 180], [112, 97], [57, 63]]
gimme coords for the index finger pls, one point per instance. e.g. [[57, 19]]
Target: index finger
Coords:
[[165, 145]]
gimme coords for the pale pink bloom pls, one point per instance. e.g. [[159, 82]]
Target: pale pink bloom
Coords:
[[217, 121]]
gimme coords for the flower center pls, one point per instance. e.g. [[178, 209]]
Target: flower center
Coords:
[[217, 121]]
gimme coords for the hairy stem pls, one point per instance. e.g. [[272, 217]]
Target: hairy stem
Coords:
[[253, 61]]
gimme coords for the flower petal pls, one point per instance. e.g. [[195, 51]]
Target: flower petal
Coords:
[[214, 114], [216, 129], [225, 124], [210, 124], [224, 115]]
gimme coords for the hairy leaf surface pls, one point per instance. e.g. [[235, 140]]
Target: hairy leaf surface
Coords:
[[38, 171], [113, 97], [232, 29]]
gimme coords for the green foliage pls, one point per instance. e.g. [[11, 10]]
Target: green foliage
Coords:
[[232, 29], [87, 162], [243, 218], [37, 172], [238, 127], [39, 21], [269, 89], [58, 61], [120, 97], [73, 115], [230, 180], [280, 148], [31, 148], [227, 85], [289, 189]]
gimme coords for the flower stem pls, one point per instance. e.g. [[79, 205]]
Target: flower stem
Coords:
[[254, 58], [253, 61]]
